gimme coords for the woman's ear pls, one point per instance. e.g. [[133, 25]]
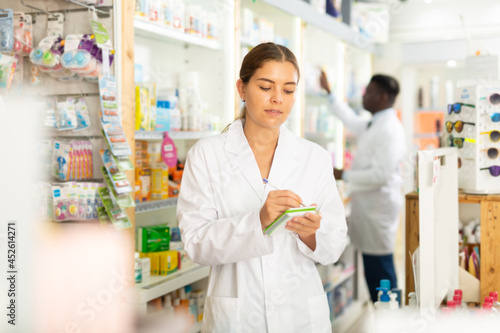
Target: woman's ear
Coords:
[[240, 85]]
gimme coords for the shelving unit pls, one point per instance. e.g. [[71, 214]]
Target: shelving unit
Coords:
[[153, 205], [346, 273], [156, 286], [161, 33], [180, 135], [352, 313]]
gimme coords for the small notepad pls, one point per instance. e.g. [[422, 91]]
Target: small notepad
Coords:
[[278, 226]]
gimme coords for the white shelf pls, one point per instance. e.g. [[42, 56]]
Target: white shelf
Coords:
[[156, 286], [346, 273], [343, 322], [323, 21], [148, 206], [179, 135], [160, 32]]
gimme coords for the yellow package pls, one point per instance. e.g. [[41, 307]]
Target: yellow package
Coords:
[[154, 152], [143, 176], [159, 181], [155, 262], [142, 105], [168, 262]]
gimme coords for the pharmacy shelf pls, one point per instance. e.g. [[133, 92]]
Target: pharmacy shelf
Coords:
[[326, 22], [352, 313], [196, 328], [160, 32], [178, 135], [319, 136], [346, 273], [155, 286], [149, 206]]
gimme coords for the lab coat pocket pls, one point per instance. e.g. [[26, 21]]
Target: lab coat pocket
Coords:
[[319, 312], [221, 315]]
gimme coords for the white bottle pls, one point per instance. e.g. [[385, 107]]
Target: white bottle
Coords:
[[393, 303], [384, 300], [168, 308], [412, 302]]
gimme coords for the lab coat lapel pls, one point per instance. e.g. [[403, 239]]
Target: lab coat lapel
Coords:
[[237, 144], [285, 158]]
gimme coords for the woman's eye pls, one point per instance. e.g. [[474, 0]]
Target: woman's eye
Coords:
[[289, 91], [265, 89]]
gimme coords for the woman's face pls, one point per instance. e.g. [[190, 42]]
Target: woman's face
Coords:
[[270, 94]]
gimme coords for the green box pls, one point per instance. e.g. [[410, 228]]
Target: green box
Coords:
[[153, 238]]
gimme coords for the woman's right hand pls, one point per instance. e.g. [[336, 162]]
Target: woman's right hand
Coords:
[[277, 203]]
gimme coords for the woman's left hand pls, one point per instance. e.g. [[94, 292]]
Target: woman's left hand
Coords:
[[306, 227]]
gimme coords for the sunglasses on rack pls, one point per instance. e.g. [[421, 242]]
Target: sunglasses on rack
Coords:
[[459, 160], [495, 117], [494, 170], [494, 99], [494, 135], [458, 125], [457, 107], [492, 152], [458, 142]]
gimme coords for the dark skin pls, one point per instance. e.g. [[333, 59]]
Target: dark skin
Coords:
[[374, 100]]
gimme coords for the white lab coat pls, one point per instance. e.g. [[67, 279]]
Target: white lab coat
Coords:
[[375, 178], [258, 283]]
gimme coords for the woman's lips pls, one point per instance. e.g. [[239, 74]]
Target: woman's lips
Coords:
[[273, 112]]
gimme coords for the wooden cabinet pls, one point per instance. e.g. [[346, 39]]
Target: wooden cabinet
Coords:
[[490, 238]]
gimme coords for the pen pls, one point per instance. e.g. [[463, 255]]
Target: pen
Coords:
[[268, 183]]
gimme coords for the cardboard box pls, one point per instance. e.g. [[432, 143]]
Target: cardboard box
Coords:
[[199, 300], [144, 176], [159, 186], [153, 239], [168, 262]]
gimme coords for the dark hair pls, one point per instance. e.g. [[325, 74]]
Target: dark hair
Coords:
[[387, 84], [261, 54]]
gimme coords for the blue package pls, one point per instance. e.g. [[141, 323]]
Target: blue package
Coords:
[[163, 116], [175, 234], [6, 30]]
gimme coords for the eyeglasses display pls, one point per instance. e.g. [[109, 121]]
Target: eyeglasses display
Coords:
[[492, 152], [459, 125], [494, 99], [459, 160], [494, 135], [458, 142], [457, 107], [494, 170]]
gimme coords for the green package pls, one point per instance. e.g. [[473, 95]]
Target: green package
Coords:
[[153, 238], [123, 200], [117, 215]]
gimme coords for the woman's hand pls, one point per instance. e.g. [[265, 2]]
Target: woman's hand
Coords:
[[306, 228], [277, 203]]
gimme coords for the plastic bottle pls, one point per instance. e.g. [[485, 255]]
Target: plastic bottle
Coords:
[[490, 301], [168, 308], [452, 305], [138, 269], [393, 303], [458, 302], [192, 309], [384, 284], [494, 296], [412, 302], [384, 300]]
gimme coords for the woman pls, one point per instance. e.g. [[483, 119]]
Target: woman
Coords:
[[261, 283]]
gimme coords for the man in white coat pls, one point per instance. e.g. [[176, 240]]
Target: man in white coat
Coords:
[[375, 177]]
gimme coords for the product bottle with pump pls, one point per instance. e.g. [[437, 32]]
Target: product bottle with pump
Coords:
[[393, 303], [384, 284], [383, 304]]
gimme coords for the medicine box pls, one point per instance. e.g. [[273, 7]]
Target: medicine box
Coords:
[[168, 262], [199, 300], [159, 186], [153, 238]]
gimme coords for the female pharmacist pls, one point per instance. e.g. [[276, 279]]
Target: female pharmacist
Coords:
[[261, 283]]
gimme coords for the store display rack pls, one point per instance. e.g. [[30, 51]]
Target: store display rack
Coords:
[[149, 206], [180, 135], [346, 273], [157, 286], [159, 32]]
